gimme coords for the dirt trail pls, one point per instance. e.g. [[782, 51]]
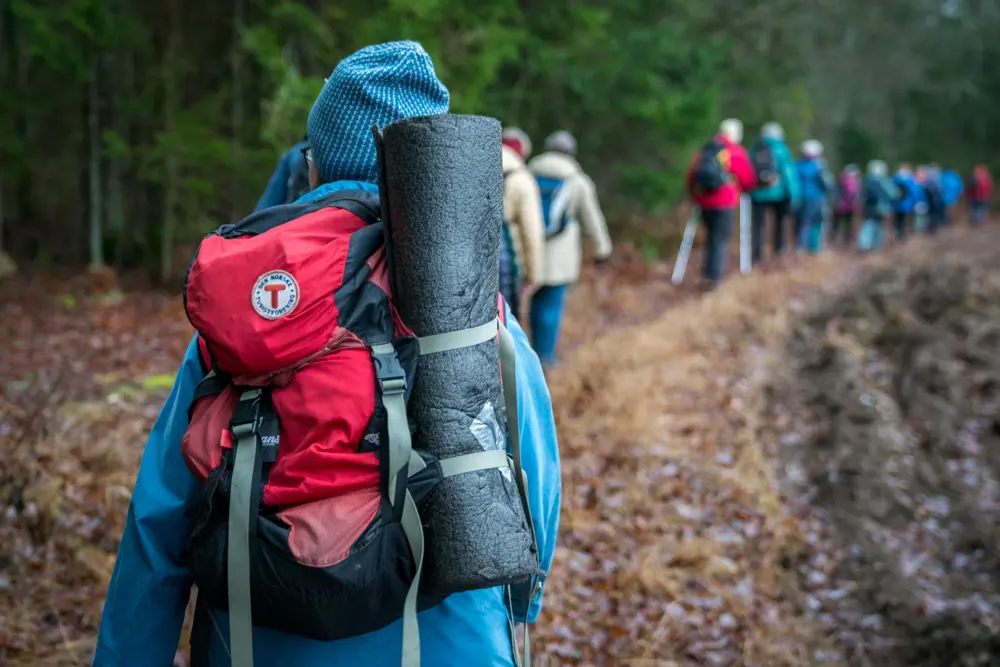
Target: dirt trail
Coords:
[[888, 422]]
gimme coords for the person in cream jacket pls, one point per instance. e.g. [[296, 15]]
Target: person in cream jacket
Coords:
[[563, 254]]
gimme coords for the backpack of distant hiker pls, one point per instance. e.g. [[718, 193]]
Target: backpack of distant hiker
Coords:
[[557, 197], [510, 274], [935, 195], [903, 190], [847, 192], [764, 163], [873, 195], [711, 171], [309, 520], [298, 181]]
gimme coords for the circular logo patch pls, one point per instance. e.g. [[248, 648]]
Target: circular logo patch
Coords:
[[275, 294]]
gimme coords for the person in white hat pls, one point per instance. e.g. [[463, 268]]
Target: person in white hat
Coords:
[[814, 190]]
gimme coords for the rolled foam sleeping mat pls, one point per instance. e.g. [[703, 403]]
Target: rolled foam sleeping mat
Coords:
[[443, 194]]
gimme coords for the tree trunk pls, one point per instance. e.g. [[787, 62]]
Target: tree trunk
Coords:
[[169, 112], [237, 113], [118, 93], [21, 62], [5, 84], [96, 198]]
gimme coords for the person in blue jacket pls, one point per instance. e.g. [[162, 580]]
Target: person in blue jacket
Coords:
[[907, 201], [814, 188], [952, 187], [151, 582], [780, 195], [290, 179]]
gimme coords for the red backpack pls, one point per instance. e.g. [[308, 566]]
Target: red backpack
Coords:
[[299, 431]]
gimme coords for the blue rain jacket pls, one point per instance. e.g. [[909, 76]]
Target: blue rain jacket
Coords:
[[787, 186], [151, 584], [952, 186], [813, 186]]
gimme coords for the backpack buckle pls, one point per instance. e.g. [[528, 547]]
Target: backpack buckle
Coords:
[[244, 421], [388, 371]]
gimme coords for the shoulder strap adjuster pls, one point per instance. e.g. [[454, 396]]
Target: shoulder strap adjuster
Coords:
[[245, 419], [388, 371]]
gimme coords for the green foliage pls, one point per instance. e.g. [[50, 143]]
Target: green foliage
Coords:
[[854, 141], [640, 84]]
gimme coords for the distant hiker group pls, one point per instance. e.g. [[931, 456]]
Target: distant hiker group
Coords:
[[822, 207]]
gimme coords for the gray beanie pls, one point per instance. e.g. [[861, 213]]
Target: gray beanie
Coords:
[[561, 142]]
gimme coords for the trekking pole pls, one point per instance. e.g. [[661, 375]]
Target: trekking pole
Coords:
[[744, 234], [686, 243]]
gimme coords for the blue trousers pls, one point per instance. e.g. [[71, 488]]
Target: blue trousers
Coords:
[[872, 235], [810, 226], [546, 317], [978, 211]]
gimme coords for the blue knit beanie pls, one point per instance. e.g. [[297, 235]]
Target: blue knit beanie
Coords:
[[376, 85]]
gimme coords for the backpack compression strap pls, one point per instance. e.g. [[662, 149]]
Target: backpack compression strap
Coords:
[[403, 460]]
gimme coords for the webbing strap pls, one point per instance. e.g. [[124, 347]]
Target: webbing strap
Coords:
[[454, 340], [240, 616], [508, 369], [459, 465], [416, 464], [414, 533], [508, 374], [398, 427], [512, 628]]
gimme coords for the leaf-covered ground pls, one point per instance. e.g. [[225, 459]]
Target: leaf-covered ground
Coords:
[[695, 523]]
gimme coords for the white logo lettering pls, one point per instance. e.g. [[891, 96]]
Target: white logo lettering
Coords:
[[275, 294]]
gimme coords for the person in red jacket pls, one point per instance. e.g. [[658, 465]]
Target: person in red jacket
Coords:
[[720, 171], [980, 192]]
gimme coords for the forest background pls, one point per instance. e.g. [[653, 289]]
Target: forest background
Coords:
[[129, 129]]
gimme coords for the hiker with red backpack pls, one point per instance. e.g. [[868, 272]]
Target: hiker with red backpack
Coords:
[[777, 187], [846, 205], [569, 208], [719, 172], [523, 241], [980, 192], [318, 435]]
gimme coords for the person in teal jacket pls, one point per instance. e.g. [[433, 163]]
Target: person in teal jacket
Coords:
[[814, 184], [781, 195], [151, 583]]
